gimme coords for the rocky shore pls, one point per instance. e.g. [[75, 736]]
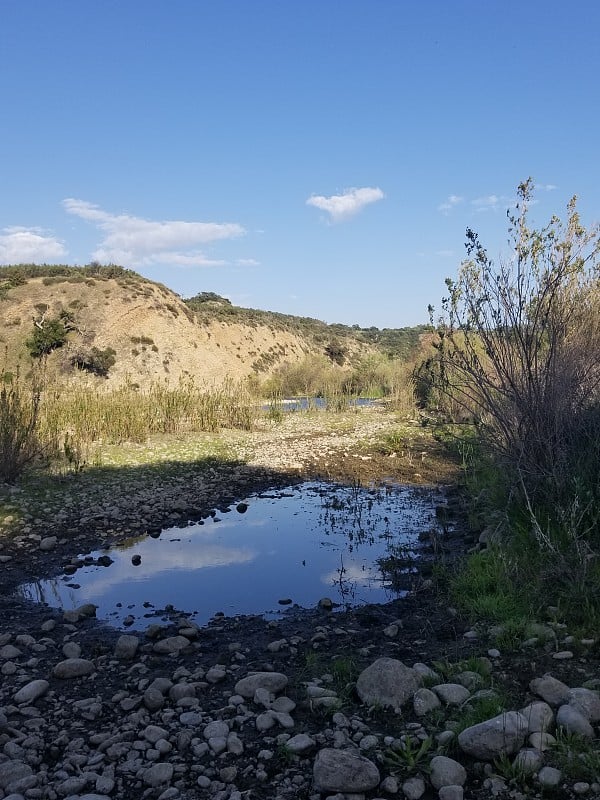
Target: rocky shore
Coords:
[[401, 700]]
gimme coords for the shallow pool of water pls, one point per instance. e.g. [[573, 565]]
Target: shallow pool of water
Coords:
[[314, 403], [310, 541]]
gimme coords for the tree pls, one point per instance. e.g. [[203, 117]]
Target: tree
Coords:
[[48, 335]]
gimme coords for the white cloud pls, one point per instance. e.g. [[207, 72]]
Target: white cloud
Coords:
[[247, 262], [345, 205], [444, 253], [488, 201], [546, 187], [29, 246], [133, 241], [448, 204]]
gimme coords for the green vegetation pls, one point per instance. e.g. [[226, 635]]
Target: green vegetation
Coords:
[[518, 359], [403, 344], [95, 361], [49, 334], [410, 756], [19, 412]]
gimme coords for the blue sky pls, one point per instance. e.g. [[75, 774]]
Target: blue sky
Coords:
[[315, 157]]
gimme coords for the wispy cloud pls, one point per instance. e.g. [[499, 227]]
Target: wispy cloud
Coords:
[[345, 205], [448, 204], [29, 246], [546, 187], [134, 241], [493, 202], [247, 262]]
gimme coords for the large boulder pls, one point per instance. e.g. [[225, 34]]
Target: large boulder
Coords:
[[387, 683], [271, 681], [344, 771], [501, 735]]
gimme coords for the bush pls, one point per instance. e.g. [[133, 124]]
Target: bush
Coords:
[[519, 350], [19, 410], [48, 335], [96, 361], [519, 346]]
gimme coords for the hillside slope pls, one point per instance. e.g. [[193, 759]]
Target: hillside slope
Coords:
[[153, 332]]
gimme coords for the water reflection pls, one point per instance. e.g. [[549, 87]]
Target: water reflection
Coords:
[[306, 542]]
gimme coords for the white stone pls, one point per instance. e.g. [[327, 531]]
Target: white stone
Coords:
[[539, 716], [550, 689], [452, 694], [572, 721], [549, 777], [446, 771], [501, 735], [273, 682], [73, 668], [387, 683], [31, 691], [343, 771]]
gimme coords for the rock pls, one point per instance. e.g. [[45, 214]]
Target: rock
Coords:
[[172, 644], [501, 735], [470, 680], [12, 772], [73, 668], [71, 650], [343, 771], [550, 689], [413, 788], [48, 543], [299, 744], [216, 674], [153, 699], [387, 682], [271, 681], [573, 721], [217, 728], [425, 672], [424, 701], [452, 694], [528, 760], [241, 508], [451, 793], [325, 603], [158, 774], [31, 691], [539, 716], [152, 733], [586, 702], [9, 651], [446, 772], [541, 741], [581, 787], [549, 777], [126, 647]]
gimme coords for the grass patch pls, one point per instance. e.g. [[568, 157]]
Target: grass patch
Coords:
[[409, 756], [576, 756], [484, 588]]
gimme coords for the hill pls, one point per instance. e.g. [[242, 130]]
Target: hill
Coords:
[[109, 324]]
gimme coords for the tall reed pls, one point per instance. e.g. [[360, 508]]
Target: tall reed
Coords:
[[128, 413]]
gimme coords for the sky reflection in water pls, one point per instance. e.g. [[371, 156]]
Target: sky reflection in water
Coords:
[[310, 541]]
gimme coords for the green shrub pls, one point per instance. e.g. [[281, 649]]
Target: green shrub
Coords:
[[45, 337], [19, 412], [96, 361]]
